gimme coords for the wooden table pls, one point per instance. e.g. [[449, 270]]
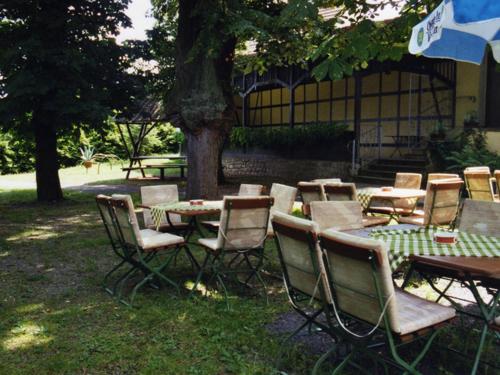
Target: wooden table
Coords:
[[482, 269], [469, 272], [366, 197], [190, 211]]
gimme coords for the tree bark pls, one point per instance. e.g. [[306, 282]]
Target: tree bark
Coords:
[[221, 179], [201, 101], [48, 185], [203, 157]]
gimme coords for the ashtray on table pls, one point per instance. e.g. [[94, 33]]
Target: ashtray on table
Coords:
[[445, 237], [196, 202]]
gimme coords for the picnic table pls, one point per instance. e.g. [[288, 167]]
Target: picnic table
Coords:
[[192, 212]]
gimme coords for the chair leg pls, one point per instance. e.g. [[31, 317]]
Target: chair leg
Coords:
[[121, 278], [108, 275], [194, 263], [410, 368], [151, 272], [337, 369]]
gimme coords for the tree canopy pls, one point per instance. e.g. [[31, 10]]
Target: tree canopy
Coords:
[[201, 42], [60, 68]]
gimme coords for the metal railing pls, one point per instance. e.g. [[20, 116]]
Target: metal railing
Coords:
[[369, 147]]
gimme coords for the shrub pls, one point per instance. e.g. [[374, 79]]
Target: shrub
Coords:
[[472, 153], [311, 141], [466, 150]]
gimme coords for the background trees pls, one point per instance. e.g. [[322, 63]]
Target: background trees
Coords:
[[60, 69], [204, 36]]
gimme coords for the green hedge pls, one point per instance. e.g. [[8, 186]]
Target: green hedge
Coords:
[[324, 141]]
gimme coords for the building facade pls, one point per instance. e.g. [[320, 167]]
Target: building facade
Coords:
[[389, 105]]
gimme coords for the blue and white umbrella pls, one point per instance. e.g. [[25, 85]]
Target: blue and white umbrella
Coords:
[[459, 30]]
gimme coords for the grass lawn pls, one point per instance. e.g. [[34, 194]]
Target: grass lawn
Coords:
[[74, 176], [56, 318]]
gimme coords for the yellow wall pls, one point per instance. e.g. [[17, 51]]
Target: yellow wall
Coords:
[[468, 91], [493, 140], [312, 104]]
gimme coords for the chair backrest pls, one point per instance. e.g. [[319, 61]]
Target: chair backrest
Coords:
[[243, 222], [441, 176], [408, 180], [479, 185], [354, 267], [159, 194], [478, 169], [344, 191], [249, 190], [327, 180], [126, 220], [480, 217], [442, 201], [310, 192], [299, 254], [338, 215], [284, 198], [104, 207]]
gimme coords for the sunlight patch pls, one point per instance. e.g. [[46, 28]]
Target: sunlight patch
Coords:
[[25, 336], [4, 254], [30, 308], [40, 233], [204, 290]]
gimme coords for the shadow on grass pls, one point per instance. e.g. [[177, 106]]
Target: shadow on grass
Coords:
[[55, 317]]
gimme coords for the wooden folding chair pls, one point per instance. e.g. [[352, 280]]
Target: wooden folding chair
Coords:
[[361, 288], [310, 192], [296, 241], [284, 199], [343, 215], [479, 185], [145, 246], [249, 190], [162, 194], [240, 240], [441, 204], [126, 258]]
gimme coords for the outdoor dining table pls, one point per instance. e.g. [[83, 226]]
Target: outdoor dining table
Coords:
[[188, 210], [368, 195], [473, 260]]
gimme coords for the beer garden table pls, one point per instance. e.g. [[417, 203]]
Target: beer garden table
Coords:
[[473, 260], [192, 212], [368, 195]]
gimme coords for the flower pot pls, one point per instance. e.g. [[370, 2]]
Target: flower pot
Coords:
[[88, 164]]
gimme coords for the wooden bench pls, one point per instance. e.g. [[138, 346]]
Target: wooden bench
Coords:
[[160, 167]]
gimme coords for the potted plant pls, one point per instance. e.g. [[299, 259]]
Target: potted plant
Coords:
[[89, 157]]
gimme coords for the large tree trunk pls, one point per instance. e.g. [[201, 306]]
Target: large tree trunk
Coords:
[[201, 101], [48, 185], [203, 156]]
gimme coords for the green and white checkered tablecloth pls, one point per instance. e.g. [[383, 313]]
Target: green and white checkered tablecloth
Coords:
[[364, 196], [158, 212], [403, 243]]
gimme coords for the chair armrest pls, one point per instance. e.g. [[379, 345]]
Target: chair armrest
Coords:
[[144, 206]]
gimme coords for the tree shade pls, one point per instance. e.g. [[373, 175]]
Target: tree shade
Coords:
[[60, 68]]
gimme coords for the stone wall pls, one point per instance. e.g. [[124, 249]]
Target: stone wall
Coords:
[[283, 169]]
